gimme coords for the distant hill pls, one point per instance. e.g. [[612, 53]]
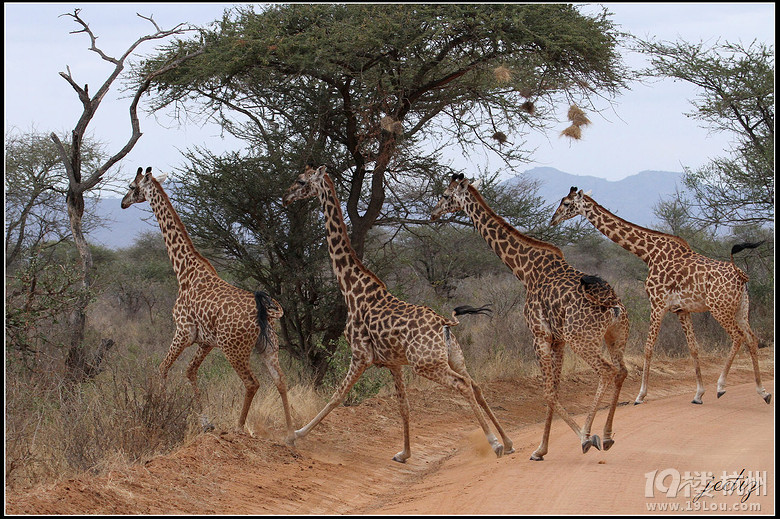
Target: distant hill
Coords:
[[632, 198], [122, 226]]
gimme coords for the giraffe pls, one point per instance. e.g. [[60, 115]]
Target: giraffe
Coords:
[[209, 311], [679, 281], [563, 306], [384, 331]]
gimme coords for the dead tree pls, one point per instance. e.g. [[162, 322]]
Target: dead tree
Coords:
[[78, 366]]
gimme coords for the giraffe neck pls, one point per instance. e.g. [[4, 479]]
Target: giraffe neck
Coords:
[[354, 278], [186, 260], [643, 242], [521, 253]]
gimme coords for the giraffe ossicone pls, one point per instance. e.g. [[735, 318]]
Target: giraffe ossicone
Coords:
[[211, 312], [563, 306], [385, 331], [680, 281]]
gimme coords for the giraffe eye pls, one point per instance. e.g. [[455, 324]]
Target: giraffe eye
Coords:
[[446, 197], [301, 182]]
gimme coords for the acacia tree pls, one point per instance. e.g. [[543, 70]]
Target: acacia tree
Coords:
[[736, 85], [377, 92], [72, 157]]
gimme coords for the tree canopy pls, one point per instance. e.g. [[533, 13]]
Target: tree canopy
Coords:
[[376, 92], [370, 89], [736, 96]]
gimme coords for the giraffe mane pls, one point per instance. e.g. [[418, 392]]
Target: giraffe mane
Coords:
[[673, 237], [180, 225], [510, 229], [350, 250]]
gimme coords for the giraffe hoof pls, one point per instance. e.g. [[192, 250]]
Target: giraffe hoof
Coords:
[[721, 393], [698, 402], [593, 441], [768, 398], [608, 443], [499, 450], [205, 424], [637, 402], [401, 457], [535, 457]]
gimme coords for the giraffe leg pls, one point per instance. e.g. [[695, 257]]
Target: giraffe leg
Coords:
[[182, 339], [403, 403], [693, 347], [446, 376], [543, 349], [607, 373], [357, 366], [271, 359], [615, 339], [240, 363], [192, 376], [656, 316], [738, 328], [458, 364], [538, 454]]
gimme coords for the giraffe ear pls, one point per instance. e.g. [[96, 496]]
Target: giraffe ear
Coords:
[[477, 182], [321, 170], [587, 193], [161, 177]]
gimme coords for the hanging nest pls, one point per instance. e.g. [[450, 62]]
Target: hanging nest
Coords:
[[572, 131], [389, 124], [528, 107], [500, 137], [577, 116], [502, 74]]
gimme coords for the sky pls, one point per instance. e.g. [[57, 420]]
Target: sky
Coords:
[[645, 128]]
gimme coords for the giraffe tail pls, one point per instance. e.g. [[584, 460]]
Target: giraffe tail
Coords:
[[738, 248], [467, 310], [262, 301]]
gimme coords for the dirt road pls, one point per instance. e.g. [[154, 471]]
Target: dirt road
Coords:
[[344, 466]]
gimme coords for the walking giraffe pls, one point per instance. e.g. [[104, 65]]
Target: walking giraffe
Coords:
[[384, 331], [563, 306], [208, 310], [679, 281]]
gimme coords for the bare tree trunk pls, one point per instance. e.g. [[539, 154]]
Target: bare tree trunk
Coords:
[[78, 368]]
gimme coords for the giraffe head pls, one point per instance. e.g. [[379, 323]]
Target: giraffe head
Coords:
[[571, 205], [308, 184], [454, 196], [138, 188]]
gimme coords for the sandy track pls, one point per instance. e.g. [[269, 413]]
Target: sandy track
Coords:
[[730, 434], [344, 466]]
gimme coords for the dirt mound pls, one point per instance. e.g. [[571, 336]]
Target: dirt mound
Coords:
[[344, 466]]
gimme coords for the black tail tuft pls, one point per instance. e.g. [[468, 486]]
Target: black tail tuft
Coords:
[[263, 301], [742, 246], [592, 280], [465, 309]]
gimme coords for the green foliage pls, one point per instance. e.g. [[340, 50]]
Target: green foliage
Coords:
[[736, 85], [40, 294]]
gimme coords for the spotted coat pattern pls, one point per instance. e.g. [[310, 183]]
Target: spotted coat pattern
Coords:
[[679, 281], [560, 309], [208, 310], [385, 331]]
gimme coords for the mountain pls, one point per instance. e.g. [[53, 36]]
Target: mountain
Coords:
[[632, 198]]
